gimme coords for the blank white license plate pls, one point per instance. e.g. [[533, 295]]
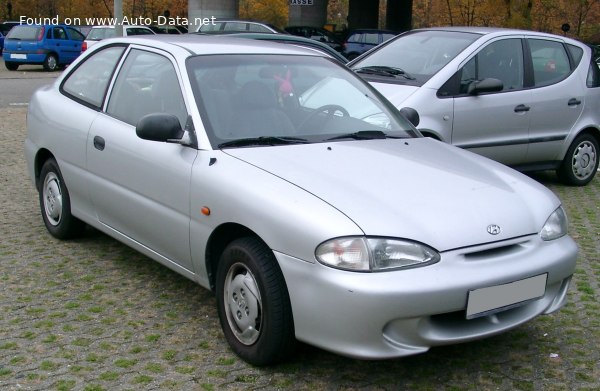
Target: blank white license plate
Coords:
[[18, 56], [497, 298]]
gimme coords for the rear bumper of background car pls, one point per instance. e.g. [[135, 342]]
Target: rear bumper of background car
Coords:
[[398, 313], [37, 57]]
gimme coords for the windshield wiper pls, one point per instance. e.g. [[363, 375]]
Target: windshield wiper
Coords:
[[364, 135], [263, 140], [381, 70]]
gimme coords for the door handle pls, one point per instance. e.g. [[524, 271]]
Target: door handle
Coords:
[[521, 108], [574, 102], [99, 143]]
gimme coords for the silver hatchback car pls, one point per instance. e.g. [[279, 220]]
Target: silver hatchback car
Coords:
[[279, 179], [529, 100]]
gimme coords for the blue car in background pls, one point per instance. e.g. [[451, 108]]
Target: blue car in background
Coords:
[[51, 46], [1, 42]]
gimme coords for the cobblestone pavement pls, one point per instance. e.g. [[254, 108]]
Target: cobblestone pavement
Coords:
[[91, 314]]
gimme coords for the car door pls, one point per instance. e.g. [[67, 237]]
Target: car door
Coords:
[[494, 124], [141, 188], [558, 97], [72, 48]]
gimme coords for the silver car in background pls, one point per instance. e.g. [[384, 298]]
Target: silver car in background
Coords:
[[283, 182], [529, 100]]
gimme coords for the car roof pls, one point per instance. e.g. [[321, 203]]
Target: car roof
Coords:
[[196, 44], [291, 39], [496, 31]]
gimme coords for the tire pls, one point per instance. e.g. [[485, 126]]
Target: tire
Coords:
[[55, 203], [11, 66], [253, 303], [51, 63], [581, 161]]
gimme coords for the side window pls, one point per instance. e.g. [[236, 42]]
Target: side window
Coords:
[[502, 60], [147, 83], [372, 38], [576, 54], [550, 62], [235, 26], [88, 83], [59, 33], [258, 28], [355, 38], [593, 77]]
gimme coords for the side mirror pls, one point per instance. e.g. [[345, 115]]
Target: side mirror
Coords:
[[159, 127], [485, 85], [411, 115]]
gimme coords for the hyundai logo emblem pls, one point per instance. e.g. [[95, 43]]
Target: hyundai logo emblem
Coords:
[[493, 229]]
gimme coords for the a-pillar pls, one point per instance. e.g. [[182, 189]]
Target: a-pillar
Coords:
[[201, 9]]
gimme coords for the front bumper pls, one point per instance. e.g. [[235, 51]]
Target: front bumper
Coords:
[[398, 313]]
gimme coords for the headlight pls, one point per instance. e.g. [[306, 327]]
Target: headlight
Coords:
[[374, 254], [556, 225]]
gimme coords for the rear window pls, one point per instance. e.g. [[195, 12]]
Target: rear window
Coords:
[[100, 33], [24, 33]]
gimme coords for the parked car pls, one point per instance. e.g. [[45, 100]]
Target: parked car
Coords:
[[227, 26], [282, 181], [51, 46], [1, 42], [526, 99], [292, 40], [318, 34], [168, 29], [98, 33], [359, 41]]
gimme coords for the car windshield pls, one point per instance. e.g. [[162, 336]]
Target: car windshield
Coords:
[[274, 99], [421, 53], [25, 33]]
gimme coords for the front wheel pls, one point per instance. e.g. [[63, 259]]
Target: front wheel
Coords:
[[11, 66], [55, 203], [581, 161], [253, 303]]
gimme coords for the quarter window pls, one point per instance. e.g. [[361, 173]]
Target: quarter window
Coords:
[[502, 60], [146, 84], [550, 62], [88, 83]]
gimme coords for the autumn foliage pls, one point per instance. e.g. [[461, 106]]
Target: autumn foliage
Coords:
[[583, 16]]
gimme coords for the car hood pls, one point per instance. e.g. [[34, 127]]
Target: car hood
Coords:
[[395, 93], [418, 189]]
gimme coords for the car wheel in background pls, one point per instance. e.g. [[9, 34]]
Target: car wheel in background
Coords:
[[55, 203], [11, 66], [581, 161], [253, 303], [51, 63]]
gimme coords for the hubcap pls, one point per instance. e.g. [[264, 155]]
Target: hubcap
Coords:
[[243, 304], [584, 160], [52, 62], [52, 198]]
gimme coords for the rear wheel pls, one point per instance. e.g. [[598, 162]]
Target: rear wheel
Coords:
[[253, 303], [50, 63], [55, 203], [11, 66], [581, 161]]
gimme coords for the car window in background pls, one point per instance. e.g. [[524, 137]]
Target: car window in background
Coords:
[[421, 54], [147, 83], [371, 38], [502, 60], [593, 76], [74, 34], [139, 31], [550, 61], [90, 80], [355, 37], [97, 34], [24, 33]]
